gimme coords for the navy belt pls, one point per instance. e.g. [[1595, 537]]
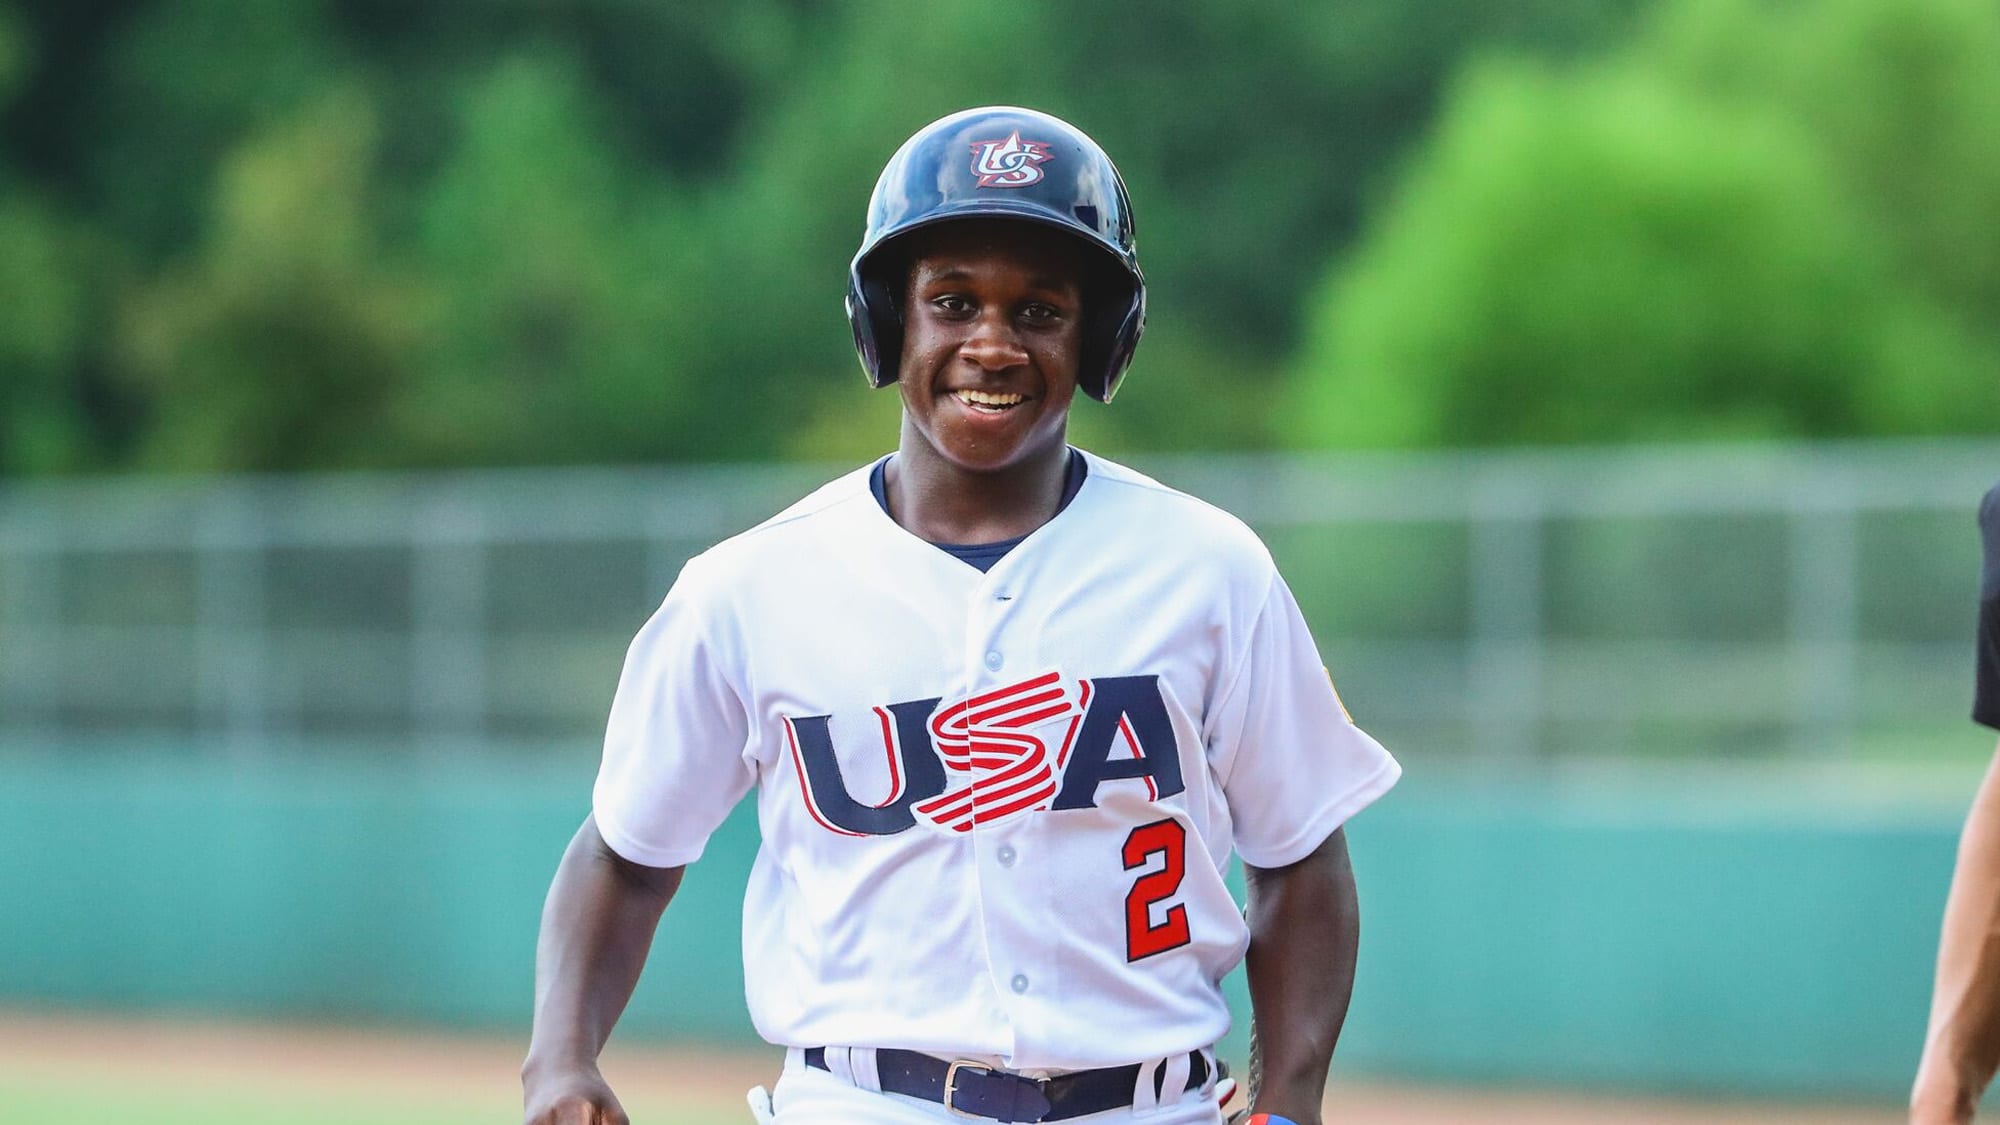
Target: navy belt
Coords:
[[1002, 1095]]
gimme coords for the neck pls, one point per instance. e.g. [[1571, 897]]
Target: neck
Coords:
[[940, 502]]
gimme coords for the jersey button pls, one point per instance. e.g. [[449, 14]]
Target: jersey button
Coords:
[[993, 661], [1006, 855], [1020, 982]]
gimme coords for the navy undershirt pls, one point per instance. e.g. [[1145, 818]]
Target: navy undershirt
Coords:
[[984, 555]]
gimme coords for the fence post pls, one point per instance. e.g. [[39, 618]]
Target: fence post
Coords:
[[1825, 575], [28, 619], [447, 604], [229, 624], [1504, 541]]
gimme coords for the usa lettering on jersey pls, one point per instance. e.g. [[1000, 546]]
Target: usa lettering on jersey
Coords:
[[939, 837], [1037, 745]]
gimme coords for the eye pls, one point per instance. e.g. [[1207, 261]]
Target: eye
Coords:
[[1041, 312], [951, 304]]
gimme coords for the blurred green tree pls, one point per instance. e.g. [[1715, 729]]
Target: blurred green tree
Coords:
[[13, 54], [1901, 99], [280, 344], [148, 117], [557, 269], [43, 276], [608, 231], [1250, 136], [46, 272], [1704, 235]]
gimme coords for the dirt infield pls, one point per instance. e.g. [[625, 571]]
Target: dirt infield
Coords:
[[676, 1084]]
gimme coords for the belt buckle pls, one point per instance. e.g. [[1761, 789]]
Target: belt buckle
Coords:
[[1008, 1096], [951, 1085]]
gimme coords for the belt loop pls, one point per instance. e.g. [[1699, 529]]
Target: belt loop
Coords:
[[1146, 1088], [1214, 1072], [839, 1063], [866, 1075], [1175, 1085]]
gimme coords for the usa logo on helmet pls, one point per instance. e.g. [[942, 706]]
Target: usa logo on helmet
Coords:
[[1009, 163]]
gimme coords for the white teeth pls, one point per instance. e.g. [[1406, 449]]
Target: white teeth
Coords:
[[982, 398]]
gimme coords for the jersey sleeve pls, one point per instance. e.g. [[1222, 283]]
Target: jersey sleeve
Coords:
[[1293, 765], [674, 748], [1986, 690]]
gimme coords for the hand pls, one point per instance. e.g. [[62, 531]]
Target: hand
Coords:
[[571, 1096]]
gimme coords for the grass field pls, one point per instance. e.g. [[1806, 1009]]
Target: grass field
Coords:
[[63, 1070], [55, 1102], [98, 1071]]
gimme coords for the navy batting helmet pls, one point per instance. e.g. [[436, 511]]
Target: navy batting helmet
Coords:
[[1010, 163]]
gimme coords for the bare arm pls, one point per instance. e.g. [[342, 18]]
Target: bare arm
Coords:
[[597, 926], [1963, 1045], [1305, 925]]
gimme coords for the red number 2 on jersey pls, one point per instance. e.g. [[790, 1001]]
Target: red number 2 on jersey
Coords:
[[1142, 938]]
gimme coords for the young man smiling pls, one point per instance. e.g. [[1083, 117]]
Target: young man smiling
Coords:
[[992, 331], [1008, 708]]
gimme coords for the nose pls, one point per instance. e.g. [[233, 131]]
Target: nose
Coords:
[[993, 346]]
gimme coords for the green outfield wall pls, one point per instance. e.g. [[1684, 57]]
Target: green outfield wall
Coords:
[[1684, 933]]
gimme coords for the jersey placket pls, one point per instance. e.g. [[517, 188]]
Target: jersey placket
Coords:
[[1014, 778]]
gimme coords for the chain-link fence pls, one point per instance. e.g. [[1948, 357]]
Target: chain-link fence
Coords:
[[1709, 601]]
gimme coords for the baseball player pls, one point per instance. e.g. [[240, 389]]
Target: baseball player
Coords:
[[1963, 1045], [1007, 708]]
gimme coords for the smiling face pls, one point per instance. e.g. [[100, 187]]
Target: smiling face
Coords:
[[993, 326]]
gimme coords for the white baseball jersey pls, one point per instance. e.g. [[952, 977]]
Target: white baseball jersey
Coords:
[[996, 807]]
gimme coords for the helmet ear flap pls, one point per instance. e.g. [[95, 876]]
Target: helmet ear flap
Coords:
[[1110, 337], [1126, 342], [876, 315]]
